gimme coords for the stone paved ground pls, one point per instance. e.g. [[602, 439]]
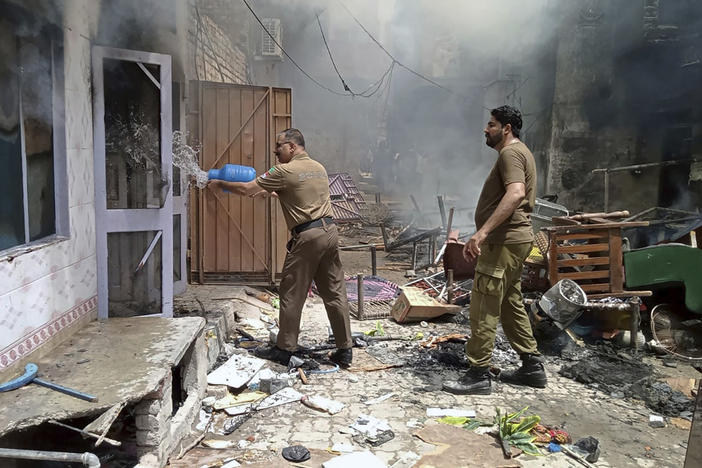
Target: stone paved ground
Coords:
[[620, 424]]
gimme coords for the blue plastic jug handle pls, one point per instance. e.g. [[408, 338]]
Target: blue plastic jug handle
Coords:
[[30, 372]]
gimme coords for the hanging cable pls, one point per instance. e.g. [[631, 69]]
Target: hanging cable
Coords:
[[336, 69], [288, 55], [416, 73]]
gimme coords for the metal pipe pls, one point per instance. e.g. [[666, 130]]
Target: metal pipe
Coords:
[[606, 191], [359, 279], [442, 210], [646, 165], [88, 459]]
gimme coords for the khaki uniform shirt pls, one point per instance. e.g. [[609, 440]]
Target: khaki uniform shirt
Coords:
[[302, 186], [514, 164]]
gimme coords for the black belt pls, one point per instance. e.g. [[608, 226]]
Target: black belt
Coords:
[[312, 224]]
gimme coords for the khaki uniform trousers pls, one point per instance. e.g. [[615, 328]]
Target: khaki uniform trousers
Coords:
[[313, 255], [497, 296]]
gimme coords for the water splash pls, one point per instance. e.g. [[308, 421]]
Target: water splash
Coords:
[[185, 158]]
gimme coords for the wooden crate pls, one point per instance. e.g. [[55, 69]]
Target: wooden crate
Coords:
[[590, 255]]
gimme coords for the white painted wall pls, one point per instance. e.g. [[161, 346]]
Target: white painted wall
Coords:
[[49, 290]]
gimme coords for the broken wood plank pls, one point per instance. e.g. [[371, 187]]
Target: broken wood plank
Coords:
[[103, 423], [587, 216], [583, 261], [100, 438], [585, 275], [583, 248]]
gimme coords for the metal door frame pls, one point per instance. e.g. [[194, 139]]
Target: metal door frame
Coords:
[[180, 205], [132, 220]]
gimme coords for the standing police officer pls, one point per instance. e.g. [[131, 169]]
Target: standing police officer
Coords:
[[501, 244], [302, 187]]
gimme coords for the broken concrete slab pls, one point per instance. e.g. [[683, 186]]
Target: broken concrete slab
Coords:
[[459, 447], [129, 359]]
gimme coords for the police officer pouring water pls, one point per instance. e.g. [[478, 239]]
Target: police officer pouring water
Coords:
[[302, 187]]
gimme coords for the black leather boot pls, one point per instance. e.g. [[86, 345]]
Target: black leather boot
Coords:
[[531, 374], [343, 357], [273, 353], [474, 382]]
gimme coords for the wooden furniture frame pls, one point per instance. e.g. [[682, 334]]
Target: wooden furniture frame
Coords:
[[598, 261]]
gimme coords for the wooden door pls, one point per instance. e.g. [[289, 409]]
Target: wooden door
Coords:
[[236, 239]]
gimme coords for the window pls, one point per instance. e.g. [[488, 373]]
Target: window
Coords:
[[29, 53], [269, 48]]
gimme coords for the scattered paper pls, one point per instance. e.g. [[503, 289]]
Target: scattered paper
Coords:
[[204, 420], [342, 448], [387, 396], [354, 460], [241, 399], [370, 426], [322, 404], [455, 412], [286, 395], [236, 372], [220, 444]]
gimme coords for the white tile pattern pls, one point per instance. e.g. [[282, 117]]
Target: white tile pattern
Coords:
[[48, 289]]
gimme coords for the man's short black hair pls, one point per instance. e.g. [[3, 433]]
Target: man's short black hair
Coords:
[[294, 135], [509, 115]]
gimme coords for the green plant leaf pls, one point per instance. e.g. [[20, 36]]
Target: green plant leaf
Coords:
[[520, 437], [528, 423], [512, 416], [459, 421], [472, 425], [529, 448]]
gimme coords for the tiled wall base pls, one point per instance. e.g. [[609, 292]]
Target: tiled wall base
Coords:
[[42, 340]]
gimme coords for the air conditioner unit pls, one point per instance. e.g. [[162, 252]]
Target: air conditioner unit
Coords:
[[269, 48]]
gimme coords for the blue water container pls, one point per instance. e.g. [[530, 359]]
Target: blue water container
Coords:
[[233, 173]]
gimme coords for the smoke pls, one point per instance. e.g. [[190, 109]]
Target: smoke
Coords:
[[418, 138]]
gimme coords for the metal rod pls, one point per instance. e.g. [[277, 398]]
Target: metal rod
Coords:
[[384, 232], [148, 251], [432, 249], [149, 75], [449, 284], [449, 225], [438, 257], [359, 280], [634, 307], [606, 191], [645, 166], [88, 459], [442, 210], [374, 261]]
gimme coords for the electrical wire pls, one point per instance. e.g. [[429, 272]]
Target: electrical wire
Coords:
[[375, 86], [336, 69], [416, 73], [288, 55]]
